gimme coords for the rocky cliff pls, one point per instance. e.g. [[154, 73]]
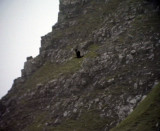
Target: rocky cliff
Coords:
[[120, 41]]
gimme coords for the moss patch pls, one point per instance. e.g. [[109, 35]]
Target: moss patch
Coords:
[[145, 116]]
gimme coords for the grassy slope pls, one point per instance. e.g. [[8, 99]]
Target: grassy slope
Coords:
[[89, 121], [145, 116], [51, 71], [48, 72]]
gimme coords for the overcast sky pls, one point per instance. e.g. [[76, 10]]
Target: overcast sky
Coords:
[[22, 23]]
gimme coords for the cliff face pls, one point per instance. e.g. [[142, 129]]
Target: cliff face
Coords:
[[120, 43]]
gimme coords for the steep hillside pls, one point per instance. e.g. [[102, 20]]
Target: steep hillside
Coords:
[[120, 41], [146, 117]]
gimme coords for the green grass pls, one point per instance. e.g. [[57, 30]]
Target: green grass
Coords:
[[39, 122], [51, 71], [88, 121], [145, 116], [92, 51]]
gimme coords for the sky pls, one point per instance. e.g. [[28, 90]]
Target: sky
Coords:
[[22, 23]]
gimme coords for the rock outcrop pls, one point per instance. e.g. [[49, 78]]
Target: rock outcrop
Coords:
[[120, 41]]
